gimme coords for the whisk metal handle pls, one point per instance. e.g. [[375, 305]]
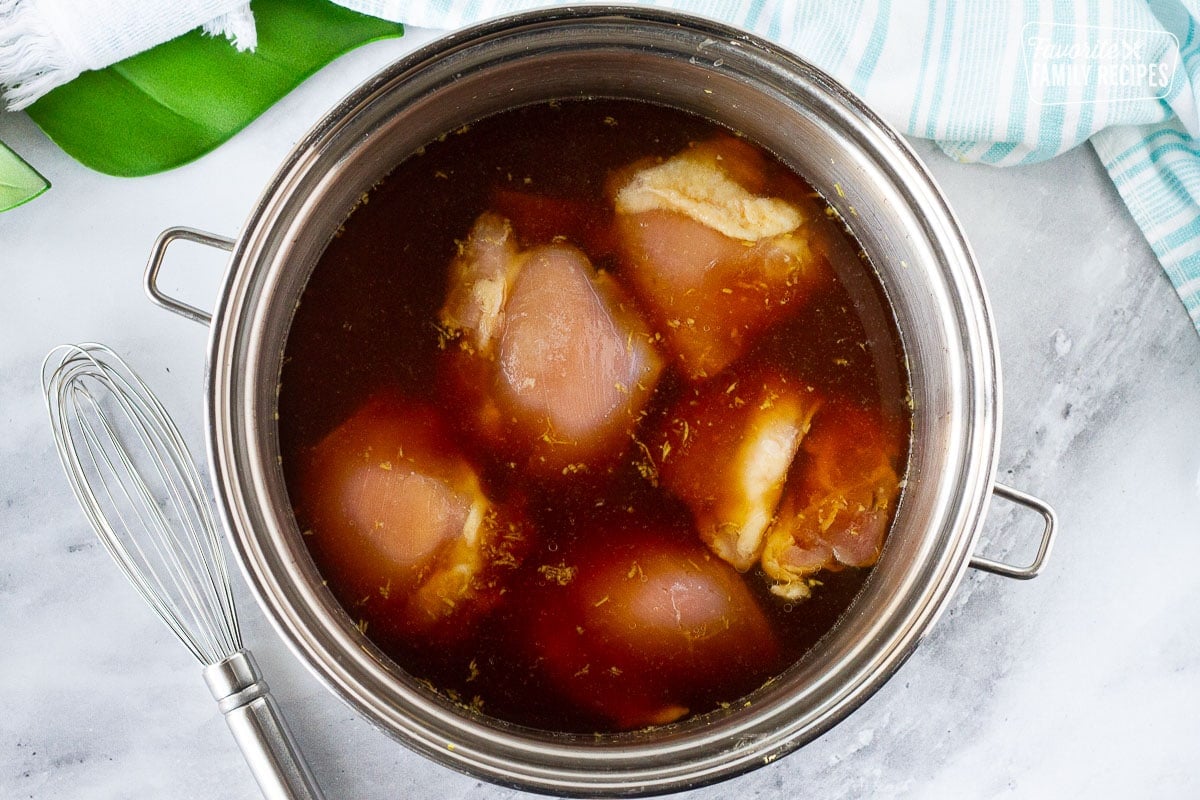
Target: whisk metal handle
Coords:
[[260, 730]]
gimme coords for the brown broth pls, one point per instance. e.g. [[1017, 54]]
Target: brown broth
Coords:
[[367, 322]]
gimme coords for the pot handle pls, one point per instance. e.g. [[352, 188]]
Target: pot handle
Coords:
[[1048, 533], [154, 265]]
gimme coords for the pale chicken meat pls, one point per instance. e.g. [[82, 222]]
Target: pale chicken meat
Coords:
[[714, 184], [411, 527], [642, 614], [714, 261], [836, 513], [481, 280], [725, 449], [566, 363]]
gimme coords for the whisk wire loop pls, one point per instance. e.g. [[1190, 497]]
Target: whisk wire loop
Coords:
[[132, 472]]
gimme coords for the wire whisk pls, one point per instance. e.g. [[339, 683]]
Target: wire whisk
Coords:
[[133, 474]]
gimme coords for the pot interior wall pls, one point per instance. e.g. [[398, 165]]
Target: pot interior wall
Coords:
[[811, 124]]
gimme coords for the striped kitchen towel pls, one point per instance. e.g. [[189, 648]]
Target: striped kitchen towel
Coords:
[[995, 81]]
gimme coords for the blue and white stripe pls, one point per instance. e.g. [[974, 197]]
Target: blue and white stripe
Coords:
[[959, 72]]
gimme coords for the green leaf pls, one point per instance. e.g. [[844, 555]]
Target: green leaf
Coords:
[[19, 182], [174, 103]]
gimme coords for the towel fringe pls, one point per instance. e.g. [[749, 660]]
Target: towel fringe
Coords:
[[237, 26], [32, 62]]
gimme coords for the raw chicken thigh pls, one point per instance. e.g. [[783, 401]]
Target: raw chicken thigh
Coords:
[[726, 449], [407, 519], [714, 262], [836, 514], [636, 614], [562, 359]]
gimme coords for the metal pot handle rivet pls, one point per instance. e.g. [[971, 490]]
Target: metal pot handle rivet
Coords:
[[1048, 532], [154, 265]]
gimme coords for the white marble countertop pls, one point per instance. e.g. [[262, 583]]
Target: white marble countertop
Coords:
[[1082, 683]]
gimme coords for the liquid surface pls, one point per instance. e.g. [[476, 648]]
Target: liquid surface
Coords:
[[540, 639]]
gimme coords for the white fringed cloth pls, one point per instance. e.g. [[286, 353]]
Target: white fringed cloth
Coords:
[[46, 43]]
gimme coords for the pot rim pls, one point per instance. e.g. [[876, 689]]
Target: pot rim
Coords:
[[580, 769]]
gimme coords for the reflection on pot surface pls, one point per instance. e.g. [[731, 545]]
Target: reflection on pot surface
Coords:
[[594, 416]]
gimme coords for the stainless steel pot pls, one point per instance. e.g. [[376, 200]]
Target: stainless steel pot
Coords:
[[855, 159]]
